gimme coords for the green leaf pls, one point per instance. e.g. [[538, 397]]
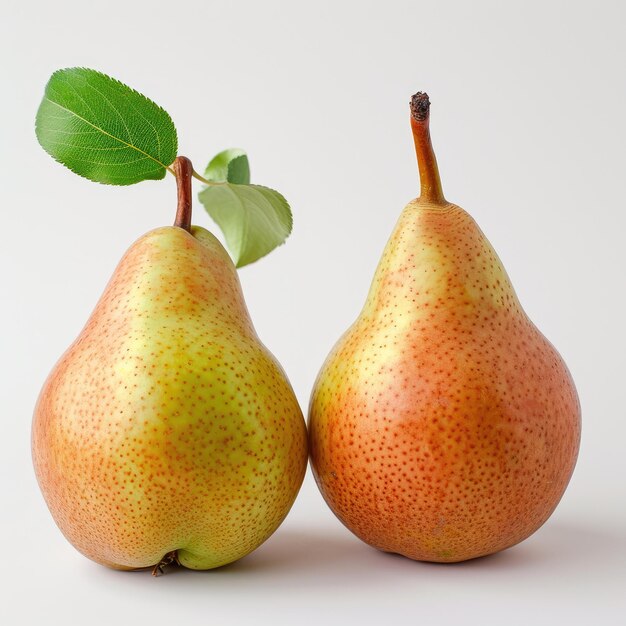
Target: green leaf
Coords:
[[104, 130], [230, 166], [254, 219], [239, 170]]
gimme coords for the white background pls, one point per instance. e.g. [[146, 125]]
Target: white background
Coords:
[[528, 120]]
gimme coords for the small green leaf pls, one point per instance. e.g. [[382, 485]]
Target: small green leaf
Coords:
[[239, 170], [230, 166], [254, 219], [103, 130]]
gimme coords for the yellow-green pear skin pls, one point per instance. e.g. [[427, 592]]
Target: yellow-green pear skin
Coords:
[[167, 425]]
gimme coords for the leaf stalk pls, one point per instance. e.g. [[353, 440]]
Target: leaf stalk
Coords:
[[202, 179]]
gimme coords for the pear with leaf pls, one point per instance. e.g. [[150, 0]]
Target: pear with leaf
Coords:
[[167, 432]]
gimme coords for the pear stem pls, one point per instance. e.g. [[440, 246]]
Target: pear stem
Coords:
[[430, 182], [183, 169]]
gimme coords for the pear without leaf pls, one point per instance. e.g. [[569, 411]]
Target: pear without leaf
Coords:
[[168, 431], [443, 426]]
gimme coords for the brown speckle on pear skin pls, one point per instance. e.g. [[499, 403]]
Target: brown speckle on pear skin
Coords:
[[443, 425], [167, 427]]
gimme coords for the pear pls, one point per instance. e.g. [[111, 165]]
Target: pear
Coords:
[[167, 431], [443, 426]]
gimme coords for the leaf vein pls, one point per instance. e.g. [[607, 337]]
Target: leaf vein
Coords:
[[104, 131]]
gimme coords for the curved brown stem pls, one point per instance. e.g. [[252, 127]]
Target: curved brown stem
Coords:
[[430, 182], [183, 169]]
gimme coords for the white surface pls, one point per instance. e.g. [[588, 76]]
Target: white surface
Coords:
[[528, 124]]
